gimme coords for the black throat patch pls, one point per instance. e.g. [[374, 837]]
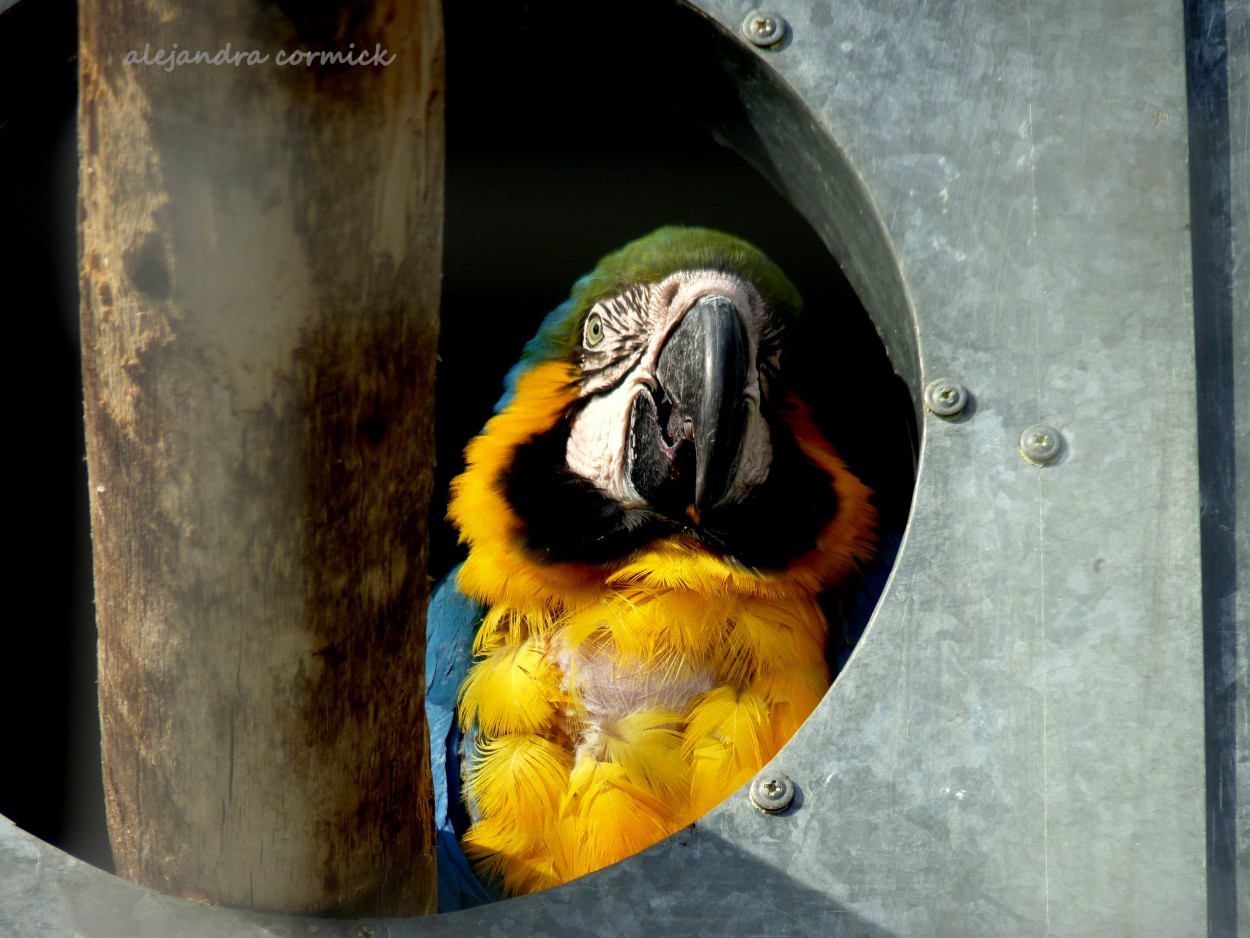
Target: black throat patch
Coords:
[[570, 520]]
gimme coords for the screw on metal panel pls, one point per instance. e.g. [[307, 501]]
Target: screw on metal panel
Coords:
[[945, 397], [1041, 444], [764, 28], [772, 791]]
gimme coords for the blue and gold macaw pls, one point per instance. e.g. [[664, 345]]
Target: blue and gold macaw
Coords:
[[654, 529]]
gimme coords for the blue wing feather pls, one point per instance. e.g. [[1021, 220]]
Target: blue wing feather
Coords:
[[450, 627], [849, 618]]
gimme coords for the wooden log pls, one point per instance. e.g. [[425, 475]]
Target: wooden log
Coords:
[[260, 260]]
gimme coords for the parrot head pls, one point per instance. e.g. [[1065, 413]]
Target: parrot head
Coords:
[[669, 365]]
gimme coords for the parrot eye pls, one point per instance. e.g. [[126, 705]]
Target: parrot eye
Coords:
[[594, 330]]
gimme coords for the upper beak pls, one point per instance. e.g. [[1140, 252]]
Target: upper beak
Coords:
[[685, 437]]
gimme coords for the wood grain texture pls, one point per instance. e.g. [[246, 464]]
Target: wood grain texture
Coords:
[[260, 256]]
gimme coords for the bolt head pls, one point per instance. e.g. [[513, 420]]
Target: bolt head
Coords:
[[772, 791], [945, 397], [1041, 444], [764, 28]]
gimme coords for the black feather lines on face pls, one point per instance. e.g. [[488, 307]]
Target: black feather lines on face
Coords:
[[605, 366], [770, 352]]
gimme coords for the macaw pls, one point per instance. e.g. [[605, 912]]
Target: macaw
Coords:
[[655, 527]]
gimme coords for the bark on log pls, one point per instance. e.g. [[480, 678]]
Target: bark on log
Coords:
[[260, 255]]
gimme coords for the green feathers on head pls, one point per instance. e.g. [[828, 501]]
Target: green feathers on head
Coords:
[[671, 249], [647, 260]]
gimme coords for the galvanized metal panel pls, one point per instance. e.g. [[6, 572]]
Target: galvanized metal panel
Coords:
[[1021, 741], [1218, 46]]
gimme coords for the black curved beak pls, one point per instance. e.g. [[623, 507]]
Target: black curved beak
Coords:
[[685, 436]]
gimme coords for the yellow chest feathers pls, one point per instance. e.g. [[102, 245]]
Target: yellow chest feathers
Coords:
[[606, 726]]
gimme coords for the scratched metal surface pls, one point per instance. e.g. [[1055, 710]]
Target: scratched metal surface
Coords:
[[1017, 747]]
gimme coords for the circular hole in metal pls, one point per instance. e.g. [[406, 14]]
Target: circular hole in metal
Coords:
[[588, 166]]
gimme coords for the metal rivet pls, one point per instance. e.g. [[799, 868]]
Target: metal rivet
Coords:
[[764, 28], [772, 791], [1041, 444], [945, 397]]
